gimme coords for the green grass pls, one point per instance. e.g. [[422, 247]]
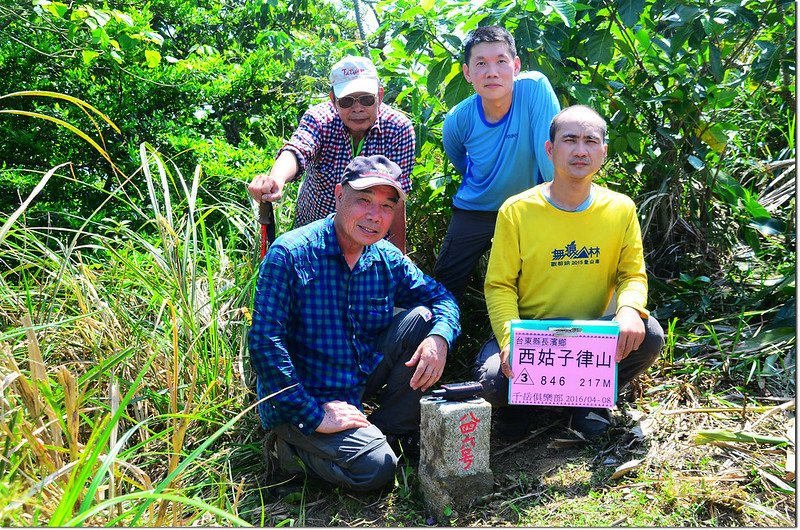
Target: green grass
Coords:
[[124, 400]]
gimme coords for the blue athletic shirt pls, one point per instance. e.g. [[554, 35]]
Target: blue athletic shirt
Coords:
[[498, 160]]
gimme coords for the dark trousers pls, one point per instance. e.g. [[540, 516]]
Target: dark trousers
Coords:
[[495, 384], [361, 459], [469, 236]]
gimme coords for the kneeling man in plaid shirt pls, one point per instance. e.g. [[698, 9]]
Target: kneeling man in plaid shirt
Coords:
[[325, 336]]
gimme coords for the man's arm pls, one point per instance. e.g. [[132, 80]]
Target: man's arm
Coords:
[[292, 157], [417, 289], [453, 142], [268, 345], [631, 282], [631, 288]]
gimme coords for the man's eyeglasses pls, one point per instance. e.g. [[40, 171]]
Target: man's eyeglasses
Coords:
[[366, 100]]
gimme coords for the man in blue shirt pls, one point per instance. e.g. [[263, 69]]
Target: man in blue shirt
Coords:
[[325, 337], [495, 139]]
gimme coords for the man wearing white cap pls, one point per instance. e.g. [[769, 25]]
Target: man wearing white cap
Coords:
[[354, 122], [325, 337]]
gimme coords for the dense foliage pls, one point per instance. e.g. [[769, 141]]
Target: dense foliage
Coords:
[[699, 95], [128, 244]]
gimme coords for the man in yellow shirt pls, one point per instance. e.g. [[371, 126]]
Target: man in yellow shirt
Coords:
[[560, 250]]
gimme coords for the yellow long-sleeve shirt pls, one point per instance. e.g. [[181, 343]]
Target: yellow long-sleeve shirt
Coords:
[[548, 263]]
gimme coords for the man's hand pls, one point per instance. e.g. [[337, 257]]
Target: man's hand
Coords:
[[266, 188], [340, 415], [505, 364], [430, 357], [631, 331], [269, 188]]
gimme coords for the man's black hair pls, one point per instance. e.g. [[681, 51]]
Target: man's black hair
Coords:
[[555, 123], [489, 34]]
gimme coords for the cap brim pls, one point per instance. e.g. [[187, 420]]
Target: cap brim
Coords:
[[369, 86], [368, 182]]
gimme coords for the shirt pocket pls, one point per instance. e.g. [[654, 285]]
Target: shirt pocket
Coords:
[[374, 314], [379, 306]]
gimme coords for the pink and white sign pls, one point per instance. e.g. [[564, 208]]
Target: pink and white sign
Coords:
[[565, 363]]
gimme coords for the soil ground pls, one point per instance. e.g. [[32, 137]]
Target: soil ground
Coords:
[[554, 478]]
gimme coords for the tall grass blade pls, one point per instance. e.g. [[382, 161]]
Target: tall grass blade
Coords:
[[150, 497], [24, 206], [57, 95], [722, 435]]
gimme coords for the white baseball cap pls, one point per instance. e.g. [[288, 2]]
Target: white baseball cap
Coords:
[[354, 74]]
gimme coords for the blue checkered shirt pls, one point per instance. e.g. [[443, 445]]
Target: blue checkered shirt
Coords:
[[316, 323], [323, 148]]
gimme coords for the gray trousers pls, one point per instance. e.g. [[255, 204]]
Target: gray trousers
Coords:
[[361, 459], [469, 236], [495, 384]]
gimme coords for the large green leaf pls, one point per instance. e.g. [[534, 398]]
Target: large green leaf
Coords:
[[527, 34], [566, 10], [600, 46], [437, 74], [630, 11], [152, 58], [456, 90]]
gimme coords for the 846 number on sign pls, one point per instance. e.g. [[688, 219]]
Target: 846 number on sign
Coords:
[[553, 381]]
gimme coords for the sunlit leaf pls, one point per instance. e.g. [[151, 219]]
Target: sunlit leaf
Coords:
[[768, 227], [125, 18], [88, 56], [714, 136], [152, 58], [781, 486], [770, 337], [695, 162], [723, 435], [58, 9], [566, 10], [626, 468], [456, 90]]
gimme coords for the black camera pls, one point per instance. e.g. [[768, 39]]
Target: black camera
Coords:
[[459, 391]]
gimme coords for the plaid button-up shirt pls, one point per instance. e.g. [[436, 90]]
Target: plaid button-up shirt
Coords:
[[323, 148], [316, 323]]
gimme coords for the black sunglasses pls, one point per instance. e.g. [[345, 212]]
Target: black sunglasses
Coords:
[[366, 100]]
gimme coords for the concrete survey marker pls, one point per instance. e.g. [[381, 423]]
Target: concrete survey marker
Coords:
[[454, 453]]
